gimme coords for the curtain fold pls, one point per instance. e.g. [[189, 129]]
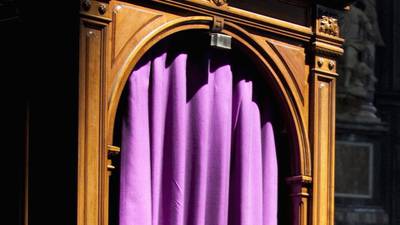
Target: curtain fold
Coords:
[[197, 142]]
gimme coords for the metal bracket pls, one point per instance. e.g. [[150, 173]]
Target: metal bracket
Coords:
[[218, 39], [218, 24]]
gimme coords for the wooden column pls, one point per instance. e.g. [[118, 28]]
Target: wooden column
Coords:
[[92, 157], [300, 188], [326, 47]]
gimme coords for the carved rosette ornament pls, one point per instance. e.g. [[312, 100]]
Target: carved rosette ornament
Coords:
[[220, 2], [329, 25]]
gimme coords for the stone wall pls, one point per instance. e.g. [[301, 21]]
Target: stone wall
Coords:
[[369, 110]]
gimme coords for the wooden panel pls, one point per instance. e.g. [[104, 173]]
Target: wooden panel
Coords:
[[123, 28], [297, 97], [91, 172], [295, 59], [131, 25]]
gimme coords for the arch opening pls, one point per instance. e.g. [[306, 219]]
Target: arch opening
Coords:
[[300, 154]]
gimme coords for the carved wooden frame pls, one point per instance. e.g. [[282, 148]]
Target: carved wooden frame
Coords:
[[302, 71]]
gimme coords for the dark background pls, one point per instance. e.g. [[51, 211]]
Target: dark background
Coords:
[[39, 71], [387, 101]]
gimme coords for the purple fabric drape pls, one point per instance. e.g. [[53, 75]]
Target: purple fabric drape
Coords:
[[197, 144]]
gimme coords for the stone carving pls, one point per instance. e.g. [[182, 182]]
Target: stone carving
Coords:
[[329, 25], [357, 82]]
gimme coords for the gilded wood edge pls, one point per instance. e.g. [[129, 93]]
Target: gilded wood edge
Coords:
[[299, 178]]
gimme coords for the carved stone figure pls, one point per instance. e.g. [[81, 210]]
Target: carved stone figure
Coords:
[[362, 82], [357, 82]]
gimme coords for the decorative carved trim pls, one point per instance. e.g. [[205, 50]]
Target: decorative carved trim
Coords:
[[320, 62], [329, 25], [331, 65], [102, 8], [220, 2], [95, 10], [325, 65]]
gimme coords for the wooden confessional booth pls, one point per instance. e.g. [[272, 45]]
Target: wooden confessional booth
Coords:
[[295, 44]]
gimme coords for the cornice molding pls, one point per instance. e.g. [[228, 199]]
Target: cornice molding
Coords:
[[243, 17]]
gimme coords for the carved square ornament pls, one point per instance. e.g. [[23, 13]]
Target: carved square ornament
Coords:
[[329, 25]]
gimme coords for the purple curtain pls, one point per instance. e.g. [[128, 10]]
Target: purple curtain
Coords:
[[197, 142]]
